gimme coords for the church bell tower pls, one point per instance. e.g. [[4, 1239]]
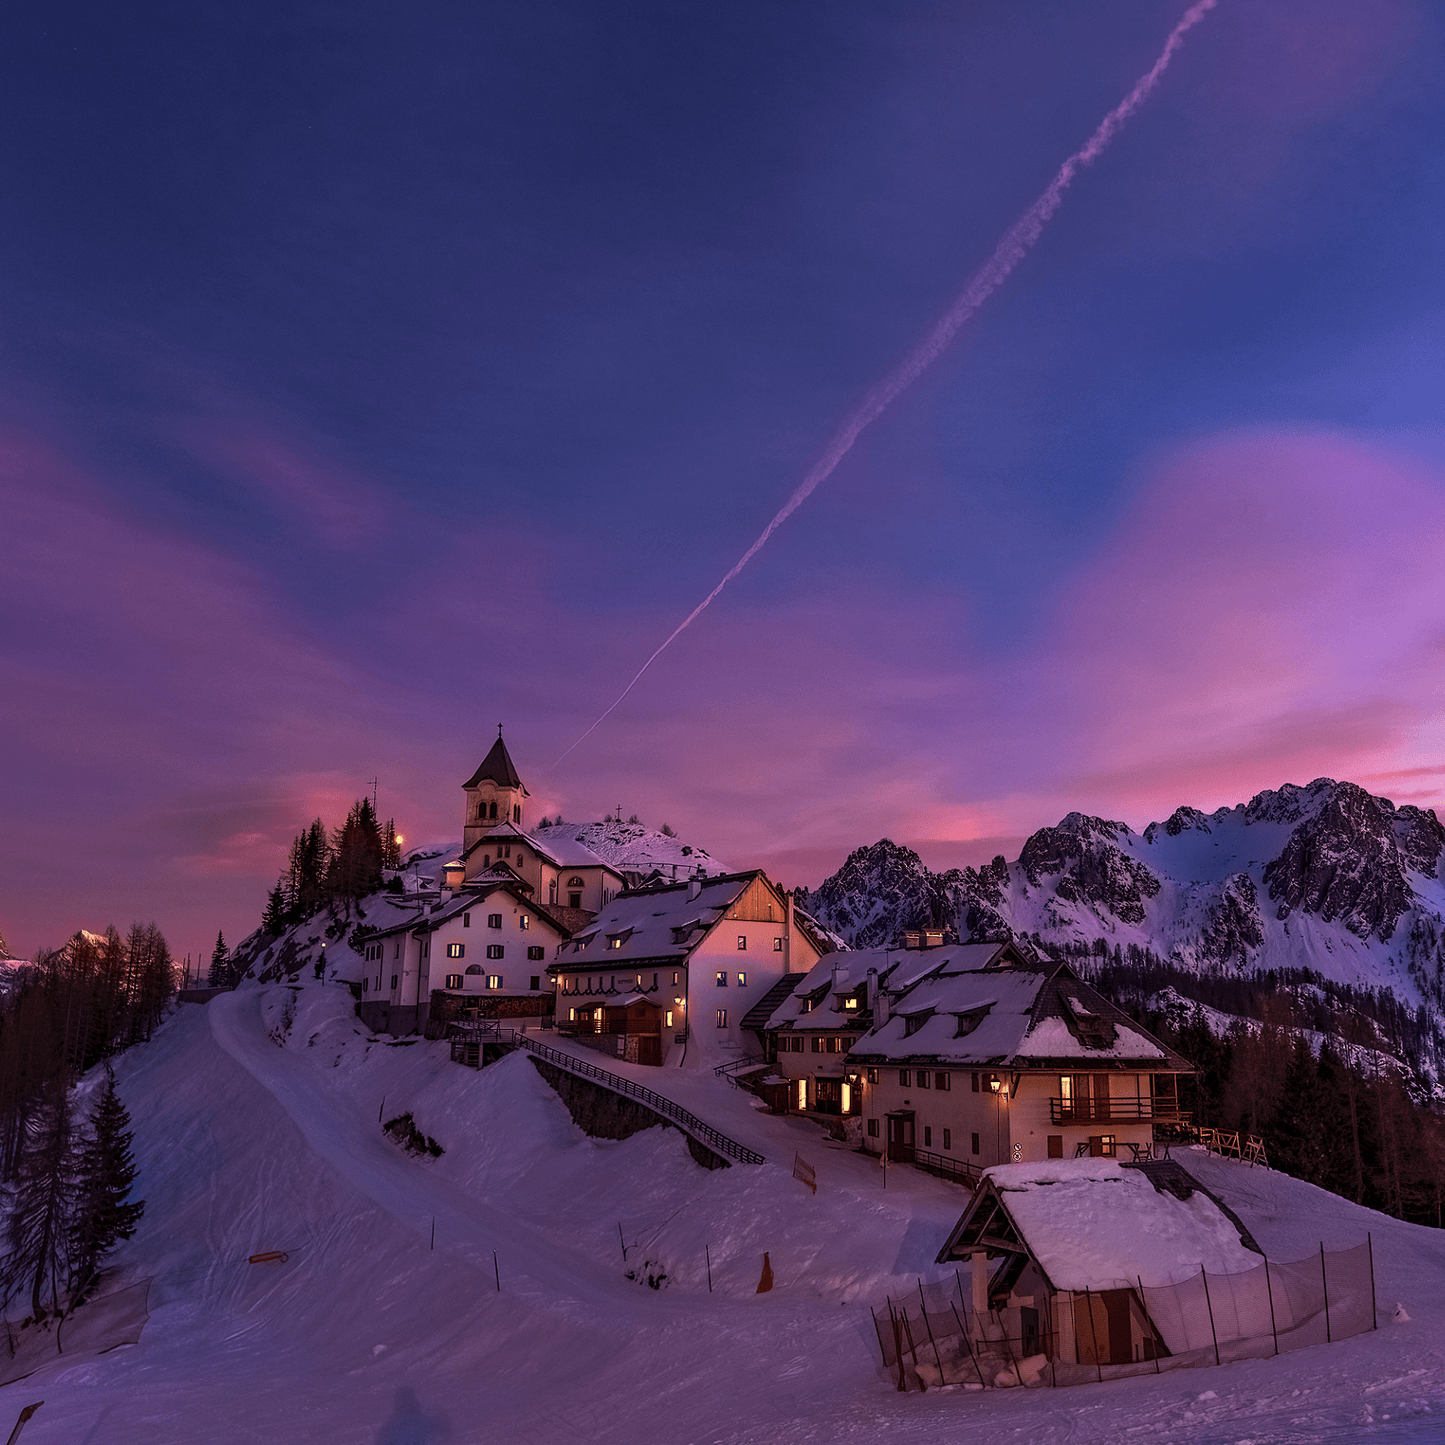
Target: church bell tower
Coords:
[[494, 794]]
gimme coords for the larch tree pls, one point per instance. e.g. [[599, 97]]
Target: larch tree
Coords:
[[42, 1202]]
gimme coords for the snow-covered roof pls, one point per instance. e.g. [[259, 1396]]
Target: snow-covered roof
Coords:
[[654, 923], [563, 851], [1098, 1224], [434, 914], [1034, 1016]]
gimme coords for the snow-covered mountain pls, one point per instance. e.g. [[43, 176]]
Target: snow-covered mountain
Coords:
[[1325, 877]]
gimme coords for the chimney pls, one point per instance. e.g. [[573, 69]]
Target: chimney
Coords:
[[870, 997], [788, 935], [694, 888], [883, 1011]]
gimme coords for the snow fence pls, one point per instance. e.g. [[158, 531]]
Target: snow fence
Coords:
[[936, 1339]]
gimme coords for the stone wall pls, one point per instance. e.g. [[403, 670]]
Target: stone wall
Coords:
[[604, 1115]]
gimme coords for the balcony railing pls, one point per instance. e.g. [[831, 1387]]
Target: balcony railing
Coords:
[[1116, 1111], [584, 1031]]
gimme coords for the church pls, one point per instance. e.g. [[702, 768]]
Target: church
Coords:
[[529, 926]]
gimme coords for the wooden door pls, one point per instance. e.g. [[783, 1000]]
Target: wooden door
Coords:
[[900, 1137]]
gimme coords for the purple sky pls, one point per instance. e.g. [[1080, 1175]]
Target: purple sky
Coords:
[[373, 375]]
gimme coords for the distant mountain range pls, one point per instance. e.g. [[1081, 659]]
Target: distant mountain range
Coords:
[[1326, 877]]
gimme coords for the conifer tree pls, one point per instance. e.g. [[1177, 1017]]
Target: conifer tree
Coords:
[[220, 972], [391, 846], [106, 1173], [273, 920], [42, 1202]]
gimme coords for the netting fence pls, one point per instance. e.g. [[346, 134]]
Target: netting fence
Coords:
[[936, 1338]]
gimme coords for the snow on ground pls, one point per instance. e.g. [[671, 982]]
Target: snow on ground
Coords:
[[258, 1127]]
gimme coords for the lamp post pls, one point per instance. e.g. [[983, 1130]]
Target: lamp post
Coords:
[[996, 1086]]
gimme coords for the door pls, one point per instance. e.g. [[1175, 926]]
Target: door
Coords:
[[829, 1096], [900, 1137]]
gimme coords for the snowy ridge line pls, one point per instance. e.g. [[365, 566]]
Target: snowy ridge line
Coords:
[[688, 1122]]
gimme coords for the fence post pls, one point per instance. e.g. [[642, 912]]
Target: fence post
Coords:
[[622, 1241], [1093, 1334], [707, 1253], [1374, 1317], [897, 1344], [1212, 1331], [967, 1343], [928, 1325], [913, 1350], [1324, 1280], [1270, 1290], [1150, 1318]]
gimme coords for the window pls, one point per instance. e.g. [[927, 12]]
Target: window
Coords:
[[742, 942], [923, 1080], [667, 1019], [393, 980], [975, 1083], [654, 980], [796, 1045], [615, 942], [494, 980], [456, 950], [873, 1128], [575, 882], [378, 981], [466, 920], [975, 1143], [474, 968], [742, 980], [396, 950], [454, 980], [516, 812], [535, 954], [777, 945], [674, 979], [495, 950], [722, 978], [817, 1044], [722, 1018], [494, 920], [525, 921], [872, 1076], [836, 1045], [948, 1138], [493, 810], [928, 1136], [940, 1081], [1056, 1146], [904, 1077], [536, 983]]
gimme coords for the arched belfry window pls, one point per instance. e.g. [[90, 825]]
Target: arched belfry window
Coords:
[[516, 812], [494, 810]]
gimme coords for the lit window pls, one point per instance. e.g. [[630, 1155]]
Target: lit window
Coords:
[[722, 1018], [674, 980], [722, 978], [494, 980], [742, 980], [850, 1003], [456, 950], [454, 980], [525, 921], [872, 1076], [614, 943], [495, 950], [494, 920], [668, 1019], [742, 941], [777, 945]]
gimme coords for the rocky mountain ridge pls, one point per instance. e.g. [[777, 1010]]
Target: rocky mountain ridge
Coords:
[[1326, 877]]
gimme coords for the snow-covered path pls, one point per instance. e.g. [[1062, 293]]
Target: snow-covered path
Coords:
[[368, 1335]]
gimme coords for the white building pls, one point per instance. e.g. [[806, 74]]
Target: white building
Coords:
[[669, 972]]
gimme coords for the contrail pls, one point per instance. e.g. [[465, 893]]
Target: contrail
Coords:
[[1017, 242]]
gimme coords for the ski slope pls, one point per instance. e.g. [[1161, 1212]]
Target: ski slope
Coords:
[[257, 1128]]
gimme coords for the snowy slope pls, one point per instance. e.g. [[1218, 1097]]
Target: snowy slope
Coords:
[[632, 848], [367, 1334]]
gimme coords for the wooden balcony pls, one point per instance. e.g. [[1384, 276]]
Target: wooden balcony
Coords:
[[1117, 1111]]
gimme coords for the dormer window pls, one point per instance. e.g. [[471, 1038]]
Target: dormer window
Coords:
[[968, 1022], [913, 1022]]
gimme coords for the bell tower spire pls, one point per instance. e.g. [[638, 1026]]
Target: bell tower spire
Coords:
[[494, 794]]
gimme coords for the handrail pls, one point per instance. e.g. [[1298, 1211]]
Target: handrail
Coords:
[[947, 1167], [688, 1122], [736, 1066]]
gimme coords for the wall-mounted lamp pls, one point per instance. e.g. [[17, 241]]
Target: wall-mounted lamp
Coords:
[[995, 1083]]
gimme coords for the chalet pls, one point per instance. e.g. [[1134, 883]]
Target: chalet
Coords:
[[1085, 1261], [483, 949], [809, 1036], [990, 1056], [667, 974]]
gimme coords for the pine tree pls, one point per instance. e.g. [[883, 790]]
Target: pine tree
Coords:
[[273, 920], [357, 855], [105, 1172], [42, 1202], [390, 846], [220, 973]]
